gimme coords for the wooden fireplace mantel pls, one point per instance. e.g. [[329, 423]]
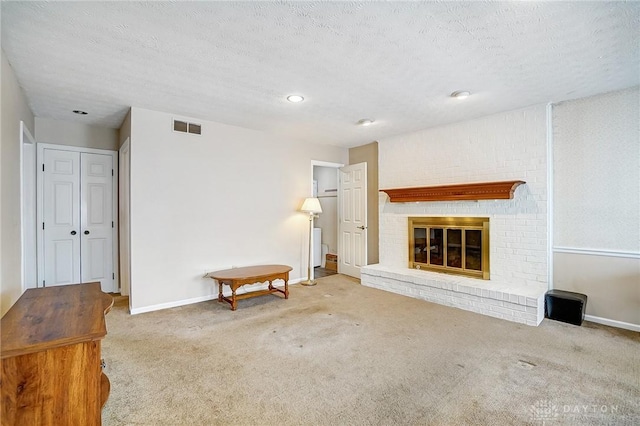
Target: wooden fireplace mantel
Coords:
[[461, 192]]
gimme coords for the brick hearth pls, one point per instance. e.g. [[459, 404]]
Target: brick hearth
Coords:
[[522, 304]]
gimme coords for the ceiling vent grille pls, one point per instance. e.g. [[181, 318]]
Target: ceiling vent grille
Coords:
[[185, 127]]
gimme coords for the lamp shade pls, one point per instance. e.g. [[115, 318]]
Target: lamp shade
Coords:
[[311, 205]]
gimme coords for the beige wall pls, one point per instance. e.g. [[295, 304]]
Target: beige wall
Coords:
[[14, 109], [612, 284], [75, 134], [229, 197], [596, 236], [369, 154]]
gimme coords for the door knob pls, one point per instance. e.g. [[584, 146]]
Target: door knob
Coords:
[[362, 227], [86, 232], [73, 232]]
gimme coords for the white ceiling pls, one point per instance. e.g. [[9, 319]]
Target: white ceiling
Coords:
[[395, 62]]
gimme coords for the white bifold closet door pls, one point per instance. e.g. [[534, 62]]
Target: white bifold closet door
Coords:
[[78, 218]]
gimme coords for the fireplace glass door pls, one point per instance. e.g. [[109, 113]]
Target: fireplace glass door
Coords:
[[436, 248], [473, 249], [453, 245]]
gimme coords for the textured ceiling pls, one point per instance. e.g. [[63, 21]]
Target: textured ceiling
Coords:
[[395, 62]]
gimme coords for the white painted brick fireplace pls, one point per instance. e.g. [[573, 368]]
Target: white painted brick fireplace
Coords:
[[507, 146]]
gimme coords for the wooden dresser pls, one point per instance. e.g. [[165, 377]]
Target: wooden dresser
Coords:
[[51, 365]]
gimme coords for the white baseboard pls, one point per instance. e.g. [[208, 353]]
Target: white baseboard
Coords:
[[175, 304], [226, 292], [613, 323]]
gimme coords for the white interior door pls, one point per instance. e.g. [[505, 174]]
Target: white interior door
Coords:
[[76, 242], [352, 228], [96, 222], [61, 217]]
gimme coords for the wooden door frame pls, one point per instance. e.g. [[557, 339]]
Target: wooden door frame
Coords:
[[40, 202]]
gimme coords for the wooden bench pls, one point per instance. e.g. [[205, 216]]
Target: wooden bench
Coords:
[[237, 277]]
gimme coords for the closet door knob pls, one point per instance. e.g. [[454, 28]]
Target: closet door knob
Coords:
[[73, 232], [86, 232]]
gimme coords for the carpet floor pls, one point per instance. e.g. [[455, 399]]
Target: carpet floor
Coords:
[[339, 353]]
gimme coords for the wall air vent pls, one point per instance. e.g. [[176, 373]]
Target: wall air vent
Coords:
[[185, 127], [195, 128]]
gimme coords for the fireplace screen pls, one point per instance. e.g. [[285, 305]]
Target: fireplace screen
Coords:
[[458, 245]]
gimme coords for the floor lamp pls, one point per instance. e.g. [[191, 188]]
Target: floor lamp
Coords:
[[312, 207]]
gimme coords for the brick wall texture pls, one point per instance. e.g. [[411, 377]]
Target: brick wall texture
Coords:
[[506, 146]]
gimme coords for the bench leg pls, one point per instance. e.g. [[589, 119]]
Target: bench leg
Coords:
[[234, 302]]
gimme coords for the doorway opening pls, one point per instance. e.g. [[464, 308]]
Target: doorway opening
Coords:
[[324, 247]]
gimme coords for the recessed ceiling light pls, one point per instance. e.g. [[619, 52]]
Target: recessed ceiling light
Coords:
[[79, 112], [365, 122], [295, 98], [460, 94]]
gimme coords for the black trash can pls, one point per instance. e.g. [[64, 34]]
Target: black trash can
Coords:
[[565, 306]]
